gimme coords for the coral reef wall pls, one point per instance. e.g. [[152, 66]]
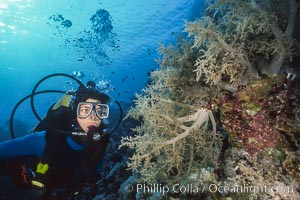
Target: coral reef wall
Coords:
[[220, 117]]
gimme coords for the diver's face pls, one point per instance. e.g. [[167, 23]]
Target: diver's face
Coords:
[[91, 119]]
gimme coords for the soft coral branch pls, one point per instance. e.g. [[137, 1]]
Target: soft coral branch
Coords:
[[198, 119], [242, 39], [279, 57], [292, 18]]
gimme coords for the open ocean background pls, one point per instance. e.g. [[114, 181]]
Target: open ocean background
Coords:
[[111, 42]]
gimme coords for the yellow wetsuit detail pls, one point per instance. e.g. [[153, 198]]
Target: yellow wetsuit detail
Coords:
[[63, 101], [37, 184], [42, 168]]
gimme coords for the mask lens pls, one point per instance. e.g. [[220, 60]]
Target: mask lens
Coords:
[[102, 110], [84, 109]]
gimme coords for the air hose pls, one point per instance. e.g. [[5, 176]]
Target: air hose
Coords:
[[11, 121], [32, 100]]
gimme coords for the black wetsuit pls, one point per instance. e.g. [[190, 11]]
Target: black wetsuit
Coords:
[[70, 165]]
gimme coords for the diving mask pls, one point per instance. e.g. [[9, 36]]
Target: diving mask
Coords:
[[84, 109]]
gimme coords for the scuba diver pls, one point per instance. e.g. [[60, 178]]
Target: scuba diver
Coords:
[[69, 161]]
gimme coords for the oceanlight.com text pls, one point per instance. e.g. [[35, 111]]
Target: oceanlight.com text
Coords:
[[209, 188]]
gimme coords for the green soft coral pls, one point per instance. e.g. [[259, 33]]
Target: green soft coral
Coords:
[[173, 140], [238, 39]]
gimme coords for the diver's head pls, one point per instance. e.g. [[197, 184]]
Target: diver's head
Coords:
[[90, 107], [90, 113]]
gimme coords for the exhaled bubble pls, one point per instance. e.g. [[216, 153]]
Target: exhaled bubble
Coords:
[[66, 23], [92, 43], [78, 74]]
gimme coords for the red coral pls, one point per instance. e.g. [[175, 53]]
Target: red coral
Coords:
[[261, 135], [254, 132]]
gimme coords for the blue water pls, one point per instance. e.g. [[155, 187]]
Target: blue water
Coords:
[[109, 41]]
